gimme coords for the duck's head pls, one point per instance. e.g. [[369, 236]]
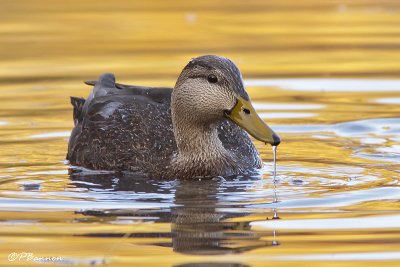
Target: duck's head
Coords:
[[210, 89]]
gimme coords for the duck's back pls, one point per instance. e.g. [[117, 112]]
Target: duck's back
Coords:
[[129, 128]]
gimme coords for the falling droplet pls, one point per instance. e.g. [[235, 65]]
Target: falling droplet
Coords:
[[274, 151], [274, 181], [275, 217], [274, 242]]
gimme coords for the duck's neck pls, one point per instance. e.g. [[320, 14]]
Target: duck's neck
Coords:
[[197, 141], [200, 151]]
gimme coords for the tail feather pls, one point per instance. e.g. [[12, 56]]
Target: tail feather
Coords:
[[90, 82], [77, 103]]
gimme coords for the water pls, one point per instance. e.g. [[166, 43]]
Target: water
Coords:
[[274, 150], [322, 74]]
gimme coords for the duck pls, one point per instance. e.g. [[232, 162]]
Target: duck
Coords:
[[198, 129]]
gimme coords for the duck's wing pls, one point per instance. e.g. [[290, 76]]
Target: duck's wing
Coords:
[[238, 143], [158, 94], [127, 128], [77, 103]]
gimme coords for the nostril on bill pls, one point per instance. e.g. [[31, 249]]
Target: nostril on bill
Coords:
[[245, 110]]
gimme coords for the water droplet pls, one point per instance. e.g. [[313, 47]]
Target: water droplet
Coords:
[[274, 151], [275, 217]]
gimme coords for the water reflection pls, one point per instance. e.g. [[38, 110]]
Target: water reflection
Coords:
[[342, 163], [328, 85], [199, 227], [199, 223], [389, 100]]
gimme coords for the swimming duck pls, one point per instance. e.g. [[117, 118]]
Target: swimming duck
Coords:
[[194, 130]]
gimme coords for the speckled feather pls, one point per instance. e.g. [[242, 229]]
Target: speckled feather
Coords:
[[129, 128]]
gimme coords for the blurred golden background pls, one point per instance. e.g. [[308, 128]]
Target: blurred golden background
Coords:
[[142, 40], [338, 160]]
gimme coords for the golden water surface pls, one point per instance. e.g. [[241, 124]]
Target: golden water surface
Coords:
[[324, 74]]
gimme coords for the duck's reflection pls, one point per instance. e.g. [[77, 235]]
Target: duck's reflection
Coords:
[[203, 221], [201, 226]]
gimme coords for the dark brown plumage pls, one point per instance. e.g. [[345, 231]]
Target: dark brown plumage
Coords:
[[130, 128]]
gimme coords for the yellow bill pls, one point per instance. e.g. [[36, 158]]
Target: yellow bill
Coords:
[[244, 115]]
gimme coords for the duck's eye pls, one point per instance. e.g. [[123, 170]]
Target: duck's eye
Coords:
[[245, 110], [212, 78]]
